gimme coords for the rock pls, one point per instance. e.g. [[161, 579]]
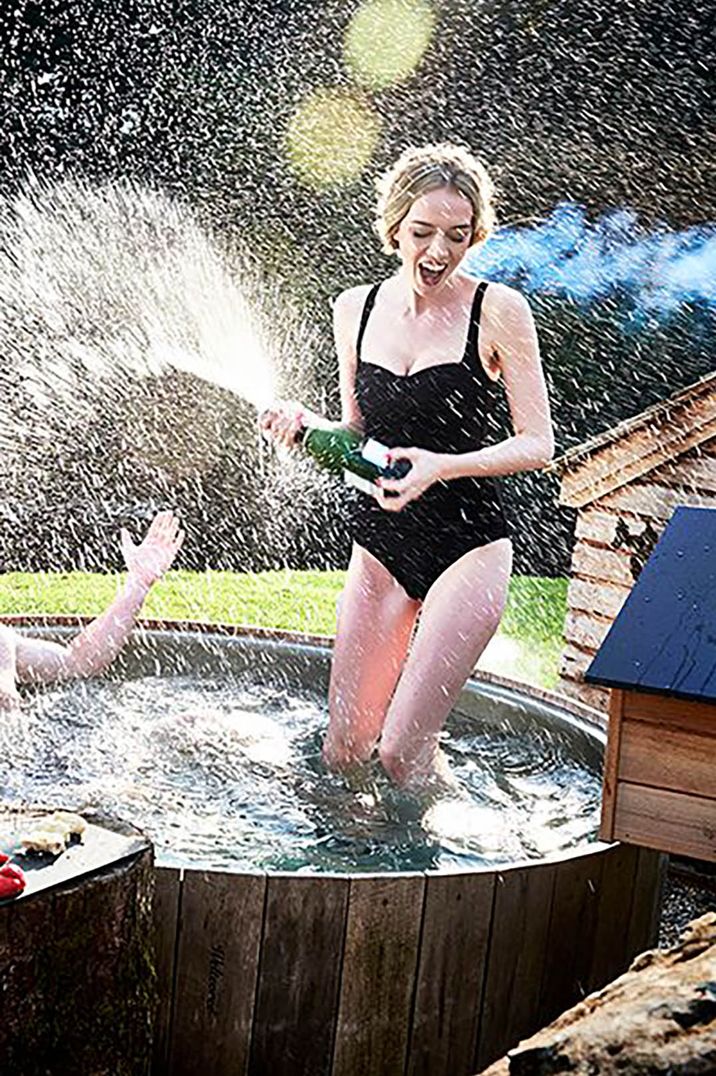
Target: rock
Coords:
[[657, 1018]]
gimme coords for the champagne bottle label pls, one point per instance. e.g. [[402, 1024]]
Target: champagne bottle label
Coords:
[[375, 453], [362, 484]]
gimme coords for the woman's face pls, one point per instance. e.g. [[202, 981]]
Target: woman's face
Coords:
[[433, 237]]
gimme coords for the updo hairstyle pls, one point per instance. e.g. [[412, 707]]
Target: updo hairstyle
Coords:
[[421, 169]]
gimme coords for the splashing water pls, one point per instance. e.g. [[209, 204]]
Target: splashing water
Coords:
[[225, 772], [101, 284], [136, 347]]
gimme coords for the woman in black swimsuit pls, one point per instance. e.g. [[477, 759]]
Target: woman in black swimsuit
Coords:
[[420, 356]]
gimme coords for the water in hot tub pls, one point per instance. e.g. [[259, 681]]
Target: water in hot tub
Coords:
[[227, 774]]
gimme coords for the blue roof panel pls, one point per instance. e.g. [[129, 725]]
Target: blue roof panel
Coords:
[[664, 638]]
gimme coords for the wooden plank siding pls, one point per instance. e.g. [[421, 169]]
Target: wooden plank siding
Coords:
[[380, 960], [411, 974], [656, 500], [614, 527], [600, 597], [661, 435], [602, 564], [295, 1022], [602, 528], [645, 901], [670, 821], [585, 630], [517, 954], [668, 757], [570, 938], [687, 714], [611, 765], [659, 787], [612, 950], [167, 891]]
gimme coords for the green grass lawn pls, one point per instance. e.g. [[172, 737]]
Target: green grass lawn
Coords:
[[527, 646]]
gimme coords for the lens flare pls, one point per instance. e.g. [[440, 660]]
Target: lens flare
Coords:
[[331, 137], [386, 40]]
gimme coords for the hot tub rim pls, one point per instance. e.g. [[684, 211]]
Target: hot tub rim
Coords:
[[596, 719]]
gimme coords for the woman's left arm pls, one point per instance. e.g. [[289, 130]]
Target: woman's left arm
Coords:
[[509, 329]]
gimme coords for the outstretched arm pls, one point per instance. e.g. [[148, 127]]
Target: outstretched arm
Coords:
[[97, 645]]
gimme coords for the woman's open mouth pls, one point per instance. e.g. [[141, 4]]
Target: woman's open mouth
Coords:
[[431, 273]]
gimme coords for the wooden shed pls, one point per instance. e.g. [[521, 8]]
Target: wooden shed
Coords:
[[625, 484], [659, 659]]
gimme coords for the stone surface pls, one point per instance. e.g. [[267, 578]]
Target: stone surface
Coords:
[[657, 1018]]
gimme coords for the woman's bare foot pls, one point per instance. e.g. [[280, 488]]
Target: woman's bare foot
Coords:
[[435, 782]]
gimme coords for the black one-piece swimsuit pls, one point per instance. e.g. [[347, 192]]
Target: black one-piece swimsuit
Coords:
[[442, 408]]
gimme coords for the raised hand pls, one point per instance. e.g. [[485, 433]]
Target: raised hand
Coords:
[[149, 560]]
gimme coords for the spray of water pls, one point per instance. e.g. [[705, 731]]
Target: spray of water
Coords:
[[136, 347], [119, 280]]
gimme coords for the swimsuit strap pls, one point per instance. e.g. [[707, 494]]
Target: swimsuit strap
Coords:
[[367, 307], [472, 353]]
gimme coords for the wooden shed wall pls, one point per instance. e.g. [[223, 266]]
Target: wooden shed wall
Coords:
[[614, 538]]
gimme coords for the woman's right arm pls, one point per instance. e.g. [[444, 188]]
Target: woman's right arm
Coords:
[[283, 421], [346, 319]]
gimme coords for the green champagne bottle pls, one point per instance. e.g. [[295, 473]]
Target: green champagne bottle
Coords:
[[344, 451]]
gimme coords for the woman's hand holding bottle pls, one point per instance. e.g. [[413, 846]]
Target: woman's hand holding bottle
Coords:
[[283, 421]]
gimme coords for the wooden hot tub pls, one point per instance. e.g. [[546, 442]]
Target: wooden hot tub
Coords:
[[395, 973]]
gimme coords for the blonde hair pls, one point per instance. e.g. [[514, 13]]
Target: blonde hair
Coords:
[[428, 168]]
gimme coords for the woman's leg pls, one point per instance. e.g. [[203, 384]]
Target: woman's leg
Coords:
[[374, 626], [461, 613]]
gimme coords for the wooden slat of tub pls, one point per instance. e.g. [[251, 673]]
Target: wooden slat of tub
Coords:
[[299, 978], [456, 929], [217, 961], [610, 954], [380, 961], [670, 821], [520, 923], [646, 901], [570, 940], [167, 889]]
